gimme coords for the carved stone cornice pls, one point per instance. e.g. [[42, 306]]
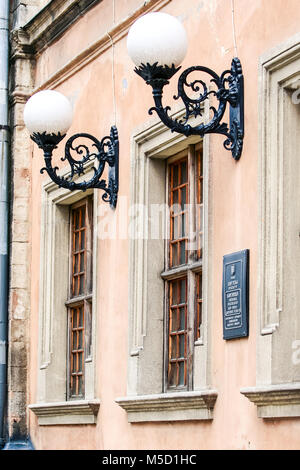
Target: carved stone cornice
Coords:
[[46, 26], [90, 53], [19, 97], [55, 18], [20, 45]]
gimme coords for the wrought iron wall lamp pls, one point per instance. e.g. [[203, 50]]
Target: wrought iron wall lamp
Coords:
[[157, 44], [48, 116]]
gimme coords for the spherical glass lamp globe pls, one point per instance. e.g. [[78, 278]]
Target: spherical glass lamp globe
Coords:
[[157, 37], [48, 111]]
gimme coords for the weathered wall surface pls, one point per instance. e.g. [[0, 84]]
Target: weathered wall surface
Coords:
[[79, 64]]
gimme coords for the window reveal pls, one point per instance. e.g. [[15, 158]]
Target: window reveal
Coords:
[[80, 297], [184, 256]]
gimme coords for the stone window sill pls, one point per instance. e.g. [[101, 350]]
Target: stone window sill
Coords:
[[275, 401], [69, 412], [180, 406]]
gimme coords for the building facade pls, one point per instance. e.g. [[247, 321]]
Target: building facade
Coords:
[[115, 315]]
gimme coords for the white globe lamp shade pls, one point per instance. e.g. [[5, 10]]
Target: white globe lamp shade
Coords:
[[48, 111], [157, 37]]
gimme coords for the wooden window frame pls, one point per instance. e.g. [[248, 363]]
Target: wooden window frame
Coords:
[[176, 334], [181, 237], [82, 299], [191, 270]]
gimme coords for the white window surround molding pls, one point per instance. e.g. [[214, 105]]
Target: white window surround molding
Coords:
[[146, 400], [277, 390], [52, 407]]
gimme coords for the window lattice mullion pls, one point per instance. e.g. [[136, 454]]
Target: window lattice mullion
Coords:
[[184, 266]]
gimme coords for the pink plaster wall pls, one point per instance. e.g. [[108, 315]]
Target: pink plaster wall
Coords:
[[235, 223]]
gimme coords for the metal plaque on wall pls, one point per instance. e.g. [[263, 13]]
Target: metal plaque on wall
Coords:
[[236, 295]]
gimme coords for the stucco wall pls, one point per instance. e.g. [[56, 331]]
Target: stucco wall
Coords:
[[87, 82]]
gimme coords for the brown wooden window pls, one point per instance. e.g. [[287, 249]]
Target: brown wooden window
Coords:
[[183, 273], [80, 294]]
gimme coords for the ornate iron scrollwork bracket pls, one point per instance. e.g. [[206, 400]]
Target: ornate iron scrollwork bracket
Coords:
[[106, 151], [229, 88]]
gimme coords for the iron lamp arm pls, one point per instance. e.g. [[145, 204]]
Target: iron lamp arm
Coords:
[[228, 90], [104, 151]]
